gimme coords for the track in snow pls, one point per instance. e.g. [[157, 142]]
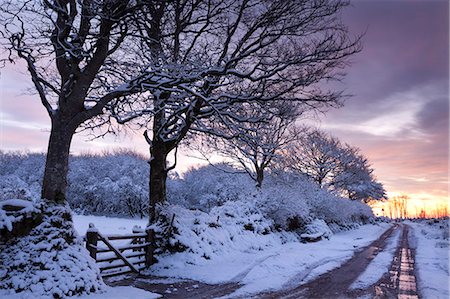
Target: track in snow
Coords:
[[399, 282]]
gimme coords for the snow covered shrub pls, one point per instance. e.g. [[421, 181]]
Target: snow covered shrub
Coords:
[[284, 206], [22, 174], [110, 184], [316, 230], [340, 213], [293, 201], [50, 262], [12, 186], [209, 186], [225, 228]]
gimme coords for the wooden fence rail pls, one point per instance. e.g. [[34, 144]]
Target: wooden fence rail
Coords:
[[132, 262]]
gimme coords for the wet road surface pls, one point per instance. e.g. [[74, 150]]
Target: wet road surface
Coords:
[[400, 282], [336, 283]]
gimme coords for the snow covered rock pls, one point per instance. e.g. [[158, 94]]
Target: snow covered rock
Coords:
[[49, 262], [17, 217], [316, 231]]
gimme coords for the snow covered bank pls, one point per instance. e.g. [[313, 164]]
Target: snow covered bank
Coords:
[[431, 241], [107, 293], [50, 261]]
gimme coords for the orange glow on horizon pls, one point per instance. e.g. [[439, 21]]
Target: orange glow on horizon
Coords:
[[414, 205]]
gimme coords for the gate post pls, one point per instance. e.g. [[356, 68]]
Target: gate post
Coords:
[[91, 240], [149, 249]]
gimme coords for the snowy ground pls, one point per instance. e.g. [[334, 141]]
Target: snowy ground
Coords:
[[273, 267], [110, 293], [107, 225], [432, 258], [280, 265]]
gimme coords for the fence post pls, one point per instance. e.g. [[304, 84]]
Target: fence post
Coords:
[[149, 249], [91, 240], [137, 230]]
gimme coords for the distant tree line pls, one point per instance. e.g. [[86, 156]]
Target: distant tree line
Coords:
[[280, 145]]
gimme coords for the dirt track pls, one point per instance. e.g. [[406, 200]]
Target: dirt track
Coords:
[[400, 282]]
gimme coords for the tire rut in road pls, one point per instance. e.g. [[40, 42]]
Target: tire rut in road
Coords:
[[335, 283], [400, 281]]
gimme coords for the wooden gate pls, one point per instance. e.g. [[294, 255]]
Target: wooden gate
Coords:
[[131, 253]]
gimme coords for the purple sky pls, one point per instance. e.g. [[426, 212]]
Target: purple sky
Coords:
[[398, 115]]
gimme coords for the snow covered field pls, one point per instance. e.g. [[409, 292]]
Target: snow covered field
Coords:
[[107, 225], [431, 240]]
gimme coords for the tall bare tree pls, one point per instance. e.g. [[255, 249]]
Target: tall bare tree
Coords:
[[316, 154], [253, 146], [69, 48], [206, 58]]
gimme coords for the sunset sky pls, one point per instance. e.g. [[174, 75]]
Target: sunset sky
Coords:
[[398, 115]]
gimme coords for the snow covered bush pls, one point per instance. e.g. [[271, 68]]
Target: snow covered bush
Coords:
[[11, 186], [21, 175], [316, 230], [284, 206], [293, 201], [238, 225], [109, 184], [341, 213], [116, 184], [50, 262], [212, 185]]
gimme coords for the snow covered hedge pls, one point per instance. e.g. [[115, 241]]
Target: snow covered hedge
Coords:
[[234, 226], [116, 184], [50, 262]]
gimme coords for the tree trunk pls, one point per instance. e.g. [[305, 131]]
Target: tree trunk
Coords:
[[157, 192], [56, 166], [259, 176], [158, 177]]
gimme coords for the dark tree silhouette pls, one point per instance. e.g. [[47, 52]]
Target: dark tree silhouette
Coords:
[[207, 59], [70, 48]]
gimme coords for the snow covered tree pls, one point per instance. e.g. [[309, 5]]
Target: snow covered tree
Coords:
[[253, 146], [355, 178], [206, 58], [316, 154], [69, 48], [73, 51], [333, 165]]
